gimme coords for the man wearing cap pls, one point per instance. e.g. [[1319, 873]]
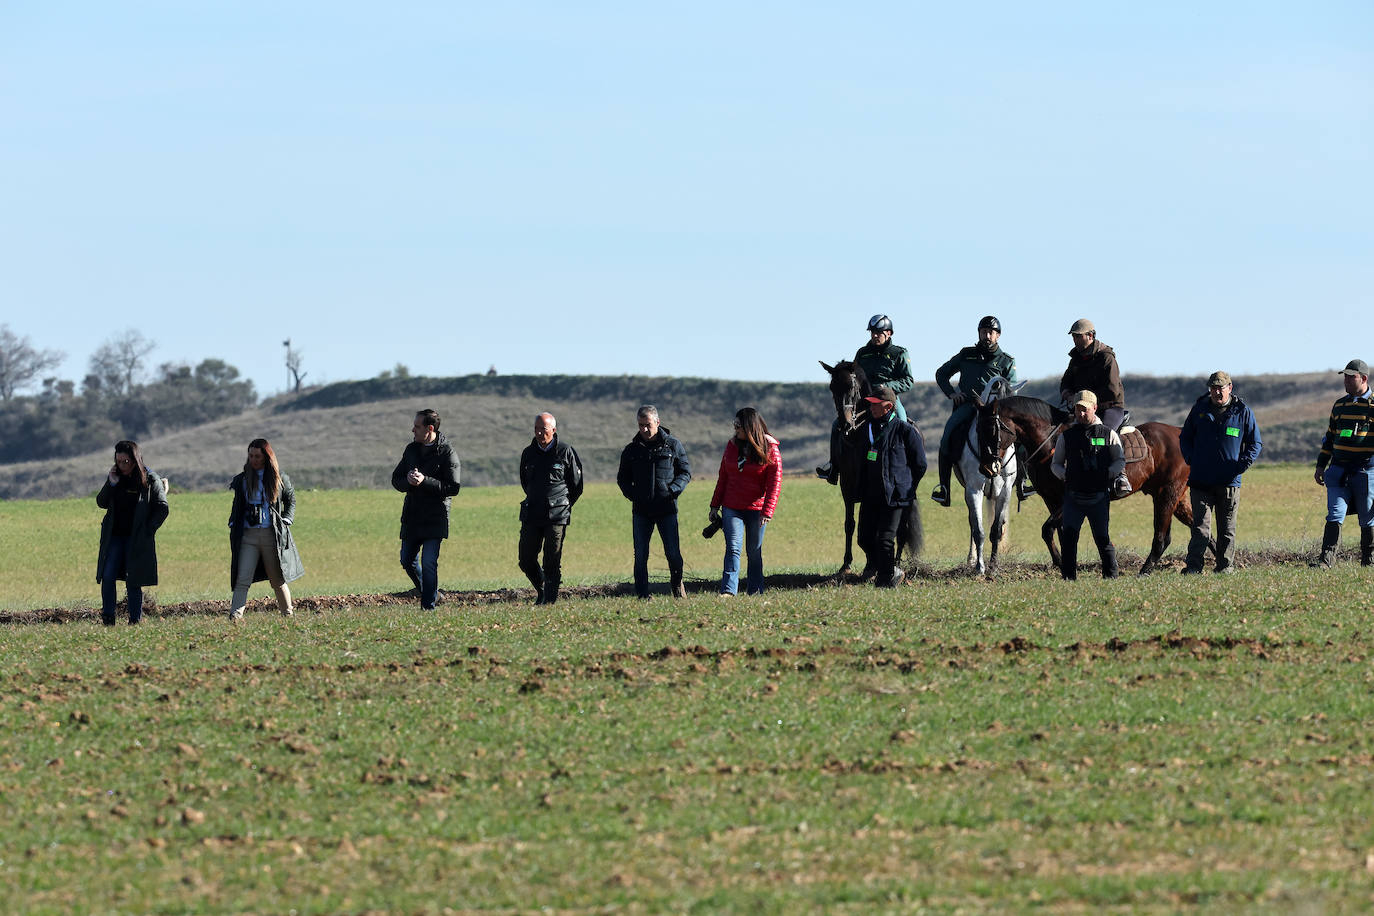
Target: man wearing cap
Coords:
[[883, 363], [976, 366], [1087, 457], [1092, 367], [1219, 440], [1343, 465], [894, 463]]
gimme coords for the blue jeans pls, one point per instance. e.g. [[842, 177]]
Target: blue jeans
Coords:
[[743, 528], [116, 567], [1348, 490], [420, 560], [643, 532]]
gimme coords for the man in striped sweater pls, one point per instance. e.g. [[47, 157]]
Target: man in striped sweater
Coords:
[[1345, 465]]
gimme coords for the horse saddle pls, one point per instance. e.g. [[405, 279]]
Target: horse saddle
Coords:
[[1133, 444]]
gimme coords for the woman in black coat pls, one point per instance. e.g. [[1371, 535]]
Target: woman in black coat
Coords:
[[260, 542], [135, 504]]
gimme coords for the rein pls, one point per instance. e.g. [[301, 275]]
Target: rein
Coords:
[[1053, 432]]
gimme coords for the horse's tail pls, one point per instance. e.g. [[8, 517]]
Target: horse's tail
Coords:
[[915, 536]]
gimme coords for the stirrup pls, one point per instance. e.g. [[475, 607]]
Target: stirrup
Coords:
[[940, 495], [1025, 489]]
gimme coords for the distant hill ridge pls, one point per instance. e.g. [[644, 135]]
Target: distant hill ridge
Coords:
[[350, 434]]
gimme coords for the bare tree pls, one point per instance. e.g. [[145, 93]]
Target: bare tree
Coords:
[[294, 361], [120, 361], [20, 363]]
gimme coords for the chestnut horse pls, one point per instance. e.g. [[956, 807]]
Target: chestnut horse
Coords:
[[1034, 424], [849, 386]]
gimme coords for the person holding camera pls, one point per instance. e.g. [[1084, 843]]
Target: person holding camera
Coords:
[[260, 543], [746, 494], [135, 503]]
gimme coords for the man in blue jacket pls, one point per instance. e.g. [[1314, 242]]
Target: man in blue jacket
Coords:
[[1220, 440], [894, 463], [654, 471]]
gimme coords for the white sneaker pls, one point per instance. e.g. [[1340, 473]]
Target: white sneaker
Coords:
[[236, 613]]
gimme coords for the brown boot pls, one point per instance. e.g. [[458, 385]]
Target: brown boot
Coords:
[[679, 590]]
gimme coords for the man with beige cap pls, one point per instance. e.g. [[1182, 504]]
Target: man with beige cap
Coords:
[[1088, 458], [1345, 465], [1219, 440]]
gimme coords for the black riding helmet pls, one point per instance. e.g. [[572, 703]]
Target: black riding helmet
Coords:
[[990, 322], [880, 323]]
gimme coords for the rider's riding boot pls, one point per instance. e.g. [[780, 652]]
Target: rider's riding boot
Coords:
[[941, 492], [1367, 546], [1331, 541]]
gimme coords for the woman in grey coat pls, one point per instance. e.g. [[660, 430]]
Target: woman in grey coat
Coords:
[[260, 543], [135, 504]]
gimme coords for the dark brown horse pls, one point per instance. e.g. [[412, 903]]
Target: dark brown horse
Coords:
[[849, 386], [1034, 425]]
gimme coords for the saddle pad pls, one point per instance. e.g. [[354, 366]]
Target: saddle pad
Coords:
[[1133, 444]]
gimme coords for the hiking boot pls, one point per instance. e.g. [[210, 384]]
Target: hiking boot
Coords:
[[678, 589], [940, 495], [1331, 541], [1190, 571]]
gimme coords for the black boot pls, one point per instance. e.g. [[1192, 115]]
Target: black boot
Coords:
[[1108, 555], [551, 590], [1367, 546], [1331, 541], [941, 492]]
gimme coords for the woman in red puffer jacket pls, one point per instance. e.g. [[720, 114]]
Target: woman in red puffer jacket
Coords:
[[747, 490]]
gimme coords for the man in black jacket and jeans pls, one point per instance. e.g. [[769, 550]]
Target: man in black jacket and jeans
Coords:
[[428, 475], [551, 476], [654, 471]]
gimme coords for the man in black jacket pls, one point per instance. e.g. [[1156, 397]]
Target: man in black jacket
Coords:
[[654, 471], [1088, 458], [551, 476], [894, 463], [428, 475]]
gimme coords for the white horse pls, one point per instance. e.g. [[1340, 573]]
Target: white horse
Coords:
[[978, 487]]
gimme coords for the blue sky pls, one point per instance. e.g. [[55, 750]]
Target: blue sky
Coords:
[[714, 189]]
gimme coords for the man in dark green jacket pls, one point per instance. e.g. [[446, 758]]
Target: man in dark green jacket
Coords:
[[976, 366], [551, 476], [883, 363]]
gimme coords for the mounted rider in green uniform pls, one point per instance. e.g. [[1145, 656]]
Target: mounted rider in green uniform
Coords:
[[976, 366], [884, 363]]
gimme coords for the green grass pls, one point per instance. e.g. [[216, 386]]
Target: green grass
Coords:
[[1154, 743]]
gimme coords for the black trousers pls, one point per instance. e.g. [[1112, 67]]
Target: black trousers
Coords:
[[1097, 511], [545, 579], [877, 535]]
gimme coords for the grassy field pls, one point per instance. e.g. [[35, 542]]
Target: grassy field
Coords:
[[1152, 743]]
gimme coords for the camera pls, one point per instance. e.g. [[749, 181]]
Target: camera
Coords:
[[710, 530]]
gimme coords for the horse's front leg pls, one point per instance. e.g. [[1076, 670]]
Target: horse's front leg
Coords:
[[848, 538], [1001, 499], [973, 498]]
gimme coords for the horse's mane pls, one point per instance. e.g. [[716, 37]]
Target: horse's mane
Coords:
[[1034, 407]]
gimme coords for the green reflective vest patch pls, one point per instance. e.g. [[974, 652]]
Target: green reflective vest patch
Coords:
[[1097, 441]]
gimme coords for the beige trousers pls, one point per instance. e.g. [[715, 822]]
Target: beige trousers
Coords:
[[259, 543]]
